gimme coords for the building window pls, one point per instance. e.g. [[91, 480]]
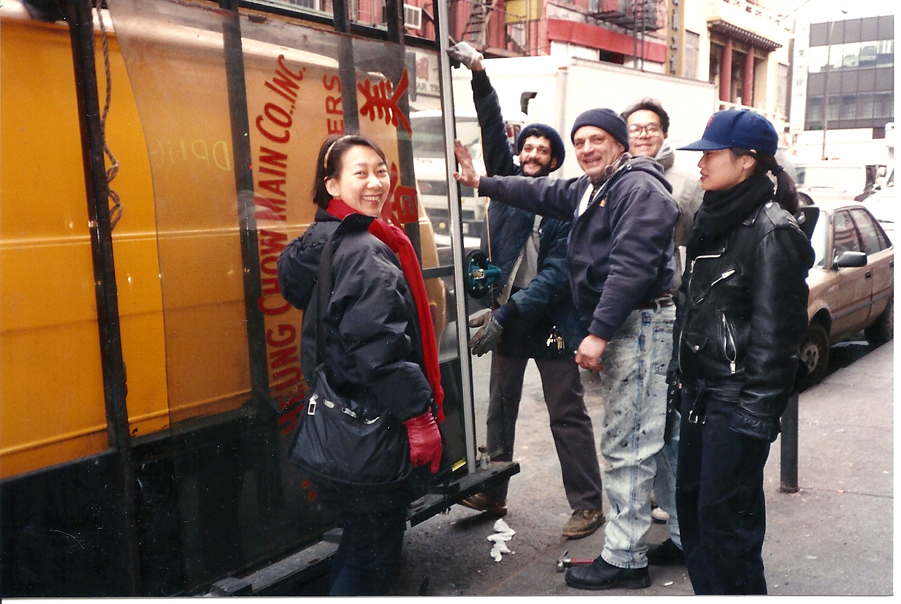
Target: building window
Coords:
[[310, 4], [882, 104], [865, 106], [814, 113], [782, 90], [885, 53], [691, 54]]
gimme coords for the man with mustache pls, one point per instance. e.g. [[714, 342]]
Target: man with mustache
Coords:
[[532, 310]]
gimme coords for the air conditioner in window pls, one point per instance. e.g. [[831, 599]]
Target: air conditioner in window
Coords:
[[412, 17]]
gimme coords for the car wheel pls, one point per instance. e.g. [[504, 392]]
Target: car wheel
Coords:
[[815, 354], [882, 330]]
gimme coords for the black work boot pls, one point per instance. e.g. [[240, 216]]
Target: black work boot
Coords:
[[601, 575], [665, 554]]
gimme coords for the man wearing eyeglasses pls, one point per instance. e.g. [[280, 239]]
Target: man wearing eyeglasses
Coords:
[[648, 127]]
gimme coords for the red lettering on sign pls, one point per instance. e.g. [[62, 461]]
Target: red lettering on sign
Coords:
[[283, 356], [272, 209], [272, 242], [274, 186], [273, 158], [331, 82], [293, 374], [282, 330], [381, 101], [275, 310], [281, 63], [287, 422], [271, 286], [273, 137]]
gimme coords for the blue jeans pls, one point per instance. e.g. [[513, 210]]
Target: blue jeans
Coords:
[[369, 553], [634, 395], [665, 480], [722, 504]]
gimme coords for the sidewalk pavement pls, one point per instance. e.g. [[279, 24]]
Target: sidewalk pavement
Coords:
[[834, 536]]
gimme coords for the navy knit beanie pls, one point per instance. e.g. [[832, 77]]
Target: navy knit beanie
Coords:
[[557, 149], [607, 120]]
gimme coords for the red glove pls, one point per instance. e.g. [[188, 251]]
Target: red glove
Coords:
[[425, 440]]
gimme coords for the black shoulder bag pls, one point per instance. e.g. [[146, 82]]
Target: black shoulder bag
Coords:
[[339, 440]]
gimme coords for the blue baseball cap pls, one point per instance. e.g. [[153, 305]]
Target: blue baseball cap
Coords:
[[558, 152], [741, 128]]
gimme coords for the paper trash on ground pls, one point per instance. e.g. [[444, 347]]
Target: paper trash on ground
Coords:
[[503, 533]]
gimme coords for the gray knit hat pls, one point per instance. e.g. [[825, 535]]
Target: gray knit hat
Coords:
[[607, 120]]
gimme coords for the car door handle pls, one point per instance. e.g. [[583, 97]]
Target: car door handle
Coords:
[[868, 275]]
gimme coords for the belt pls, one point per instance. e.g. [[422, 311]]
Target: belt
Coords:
[[657, 303]]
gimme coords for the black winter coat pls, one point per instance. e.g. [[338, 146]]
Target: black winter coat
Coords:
[[373, 346], [620, 252], [745, 312], [546, 300]]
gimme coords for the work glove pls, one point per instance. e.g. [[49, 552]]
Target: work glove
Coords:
[[490, 330], [461, 52], [425, 441]]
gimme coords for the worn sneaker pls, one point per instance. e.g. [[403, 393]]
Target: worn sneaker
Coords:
[[484, 503], [665, 554], [659, 516], [583, 523]]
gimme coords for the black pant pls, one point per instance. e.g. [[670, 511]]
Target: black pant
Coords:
[[369, 553], [720, 502]]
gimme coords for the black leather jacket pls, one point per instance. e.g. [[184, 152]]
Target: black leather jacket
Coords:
[[745, 312]]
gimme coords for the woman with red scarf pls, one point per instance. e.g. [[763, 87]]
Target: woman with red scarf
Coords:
[[380, 344]]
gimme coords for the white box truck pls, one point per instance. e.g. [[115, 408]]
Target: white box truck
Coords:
[[554, 90]]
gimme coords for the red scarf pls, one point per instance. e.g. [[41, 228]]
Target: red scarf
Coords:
[[395, 238]]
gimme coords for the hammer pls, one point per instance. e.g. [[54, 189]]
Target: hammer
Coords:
[[565, 562]]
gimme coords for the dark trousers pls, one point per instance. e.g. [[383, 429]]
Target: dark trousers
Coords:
[[570, 424], [369, 553], [720, 501]]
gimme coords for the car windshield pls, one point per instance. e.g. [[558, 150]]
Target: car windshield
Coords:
[[846, 178], [820, 239]]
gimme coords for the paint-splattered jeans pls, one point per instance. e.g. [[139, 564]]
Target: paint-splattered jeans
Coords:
[[634, 398]]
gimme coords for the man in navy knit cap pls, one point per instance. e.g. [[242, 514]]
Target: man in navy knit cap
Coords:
[[620, 262], [532, 297]]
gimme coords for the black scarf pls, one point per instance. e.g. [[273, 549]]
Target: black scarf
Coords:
[[722, 211]]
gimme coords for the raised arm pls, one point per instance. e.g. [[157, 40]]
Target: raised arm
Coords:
[[544, 196]]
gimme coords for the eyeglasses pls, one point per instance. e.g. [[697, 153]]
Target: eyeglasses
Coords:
[[651, 129]]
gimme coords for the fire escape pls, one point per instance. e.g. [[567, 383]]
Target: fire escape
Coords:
[[639, 16], [476, 30], [635, 15]]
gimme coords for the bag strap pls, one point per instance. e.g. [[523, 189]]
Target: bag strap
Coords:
[[324, 292]]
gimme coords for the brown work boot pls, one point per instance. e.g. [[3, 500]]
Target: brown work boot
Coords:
[[485, 503], [583, 523]]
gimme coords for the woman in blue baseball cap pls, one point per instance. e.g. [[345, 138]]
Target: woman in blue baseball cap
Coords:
[[735, 353]]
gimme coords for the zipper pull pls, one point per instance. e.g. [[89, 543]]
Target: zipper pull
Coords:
[[732, 367]]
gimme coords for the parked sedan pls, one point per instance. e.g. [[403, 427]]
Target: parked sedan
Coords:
[[851, 282]]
